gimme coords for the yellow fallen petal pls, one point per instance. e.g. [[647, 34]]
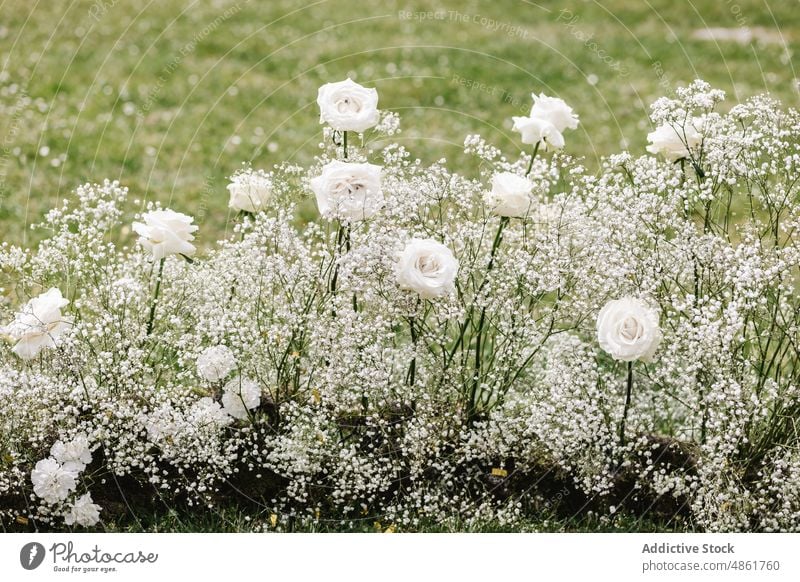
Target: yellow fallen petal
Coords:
[[497, 472]]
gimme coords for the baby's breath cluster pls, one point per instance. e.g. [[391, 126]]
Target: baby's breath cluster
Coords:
[[537, 340]]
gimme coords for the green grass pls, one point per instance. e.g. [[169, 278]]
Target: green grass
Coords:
[[218, 83], [171, 96]]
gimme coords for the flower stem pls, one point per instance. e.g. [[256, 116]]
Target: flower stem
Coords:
[[533, 157], [476, 379], [344, 145], [155, 297], [412, 368], [628, 390]]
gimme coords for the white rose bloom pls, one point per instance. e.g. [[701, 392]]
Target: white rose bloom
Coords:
[[510, 195], [208, 413], [249, 191], [628, 330], [38, 324], [427, 267], [535, 130], [239, 396], [166, 232], [348, 191], [672, 142], [84, 512], [51, 481], [216, 362], [73, 455], [554, 110], [347, 106], [160, 423]]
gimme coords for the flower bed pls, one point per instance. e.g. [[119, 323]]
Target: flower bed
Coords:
[[539, 338]]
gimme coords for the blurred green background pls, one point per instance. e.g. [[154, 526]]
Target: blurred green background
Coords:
[[170, 97]]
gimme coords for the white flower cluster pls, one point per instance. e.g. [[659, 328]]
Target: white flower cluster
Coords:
[[434, 348]]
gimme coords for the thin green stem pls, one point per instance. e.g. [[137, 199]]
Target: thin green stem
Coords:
[[155, 297], [533, 157], [344, 145], [498, 238], [628, 391]]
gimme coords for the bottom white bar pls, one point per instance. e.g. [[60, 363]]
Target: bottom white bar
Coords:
[[402, 557]]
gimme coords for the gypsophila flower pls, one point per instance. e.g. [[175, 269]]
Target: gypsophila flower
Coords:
[[215, 363]]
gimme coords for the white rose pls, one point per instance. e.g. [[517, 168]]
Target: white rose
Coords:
[[38, 324], [510, 195], [348, 191], [165, 233], [216, 362], [51, 481], [628, 330], [239, 396], [84, 512], [208, 414], [427, 267], [347, 106], [672, 142], [73, 455], [554, 110], [535, 130], [249, 191]]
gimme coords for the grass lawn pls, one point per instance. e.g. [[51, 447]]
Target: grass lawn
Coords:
[[171, 97]]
